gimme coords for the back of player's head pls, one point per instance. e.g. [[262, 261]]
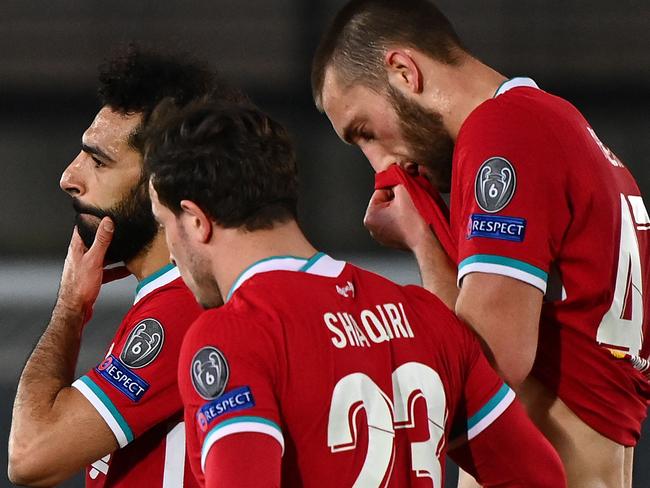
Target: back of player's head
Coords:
[[234, 161], [357, 40], [136, 80]]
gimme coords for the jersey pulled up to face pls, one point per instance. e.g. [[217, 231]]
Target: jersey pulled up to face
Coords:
[[358, 379], [538, 197], [134, 389]]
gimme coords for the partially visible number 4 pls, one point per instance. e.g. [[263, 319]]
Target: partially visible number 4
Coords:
[[622, 324]]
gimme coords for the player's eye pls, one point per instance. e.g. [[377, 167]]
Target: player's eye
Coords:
[[98, 163], [364, 135]]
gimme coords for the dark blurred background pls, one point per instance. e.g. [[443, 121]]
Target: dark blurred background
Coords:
[[594, 53]]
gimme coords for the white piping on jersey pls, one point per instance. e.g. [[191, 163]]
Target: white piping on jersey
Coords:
[[492, 415], [111, 421], [515, 83], [174, 468], [162, 280], [503, 270], [320, 265], [236, 425]]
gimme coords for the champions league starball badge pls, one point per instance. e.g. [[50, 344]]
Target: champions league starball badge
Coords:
[[495, 184], [144, 344], [209, 372]]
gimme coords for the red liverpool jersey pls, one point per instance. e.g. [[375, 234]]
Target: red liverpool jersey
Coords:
[[538, 197], [357, 378], [134, 389]]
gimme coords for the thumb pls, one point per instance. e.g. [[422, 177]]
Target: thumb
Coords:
[[103, 238], [381, 197]]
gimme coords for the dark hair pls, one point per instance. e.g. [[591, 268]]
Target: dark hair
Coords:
[[235, 162], [360, 34], [136, 80]]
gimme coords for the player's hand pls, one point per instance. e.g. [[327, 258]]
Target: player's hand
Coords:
[[83, 269], [393, 220]]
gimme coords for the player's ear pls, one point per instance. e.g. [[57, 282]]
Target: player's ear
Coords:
[[197, 222], [403, 71]]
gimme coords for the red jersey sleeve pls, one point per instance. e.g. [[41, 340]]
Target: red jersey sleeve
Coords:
[[228, 377], [134, 388], [509, 208], [481, 394]]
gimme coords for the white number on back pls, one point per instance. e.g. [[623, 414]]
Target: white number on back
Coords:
[[410, 382], [621, 325]]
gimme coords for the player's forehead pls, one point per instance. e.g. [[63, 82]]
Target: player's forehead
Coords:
[[110, 131]]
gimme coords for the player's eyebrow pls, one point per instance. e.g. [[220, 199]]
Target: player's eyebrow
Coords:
[[96, 151]]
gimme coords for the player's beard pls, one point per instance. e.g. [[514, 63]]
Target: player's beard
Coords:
[[135, 226], [428, 141], [204, 285]]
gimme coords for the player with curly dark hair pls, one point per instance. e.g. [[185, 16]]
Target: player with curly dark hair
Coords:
[[122, 419]]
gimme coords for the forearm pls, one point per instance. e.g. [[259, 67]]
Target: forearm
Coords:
[[511, 453], [437, 271], [49, 372]]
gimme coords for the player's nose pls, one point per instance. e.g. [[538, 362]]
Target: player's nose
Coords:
[[378, 158], [71, 180]]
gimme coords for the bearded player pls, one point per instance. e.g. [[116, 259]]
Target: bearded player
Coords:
[[314, 372], [550, 228], [122, 419]]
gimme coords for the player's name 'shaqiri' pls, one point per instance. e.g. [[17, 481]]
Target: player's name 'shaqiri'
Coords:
[[383, 323]]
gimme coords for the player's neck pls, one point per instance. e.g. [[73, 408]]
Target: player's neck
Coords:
[[154, 257], [460, 89], [238, 249]]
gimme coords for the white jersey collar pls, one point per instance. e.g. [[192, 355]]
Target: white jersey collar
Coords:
[[319, 264], [163, 276], [515, 83]]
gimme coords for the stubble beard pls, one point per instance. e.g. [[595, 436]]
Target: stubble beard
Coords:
[[427, 139]]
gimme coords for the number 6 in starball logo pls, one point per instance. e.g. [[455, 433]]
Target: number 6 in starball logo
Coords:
[[495, 184], [143, 344], [209, 373]]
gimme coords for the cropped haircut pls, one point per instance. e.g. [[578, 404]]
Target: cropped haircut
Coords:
[[235, 162], [358, 38], [136, 80]]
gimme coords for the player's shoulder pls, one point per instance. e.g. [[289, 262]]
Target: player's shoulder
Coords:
[[237, 316], [524, 110], [172, 299]]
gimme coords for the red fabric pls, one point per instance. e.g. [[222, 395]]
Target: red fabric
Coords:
[[245, 460], [160, 409], [298, 341], [572, 197], [510, 453], [427, 201]]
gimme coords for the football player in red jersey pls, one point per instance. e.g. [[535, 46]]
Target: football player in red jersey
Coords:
[[329, 375], [549, 229], [123, 419]]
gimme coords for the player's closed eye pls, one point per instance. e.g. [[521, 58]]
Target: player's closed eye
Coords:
[[98, 163]]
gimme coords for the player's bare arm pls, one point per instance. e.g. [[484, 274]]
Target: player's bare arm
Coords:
[[393, 221], [496, 457], [55, 430], [509, 332]]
